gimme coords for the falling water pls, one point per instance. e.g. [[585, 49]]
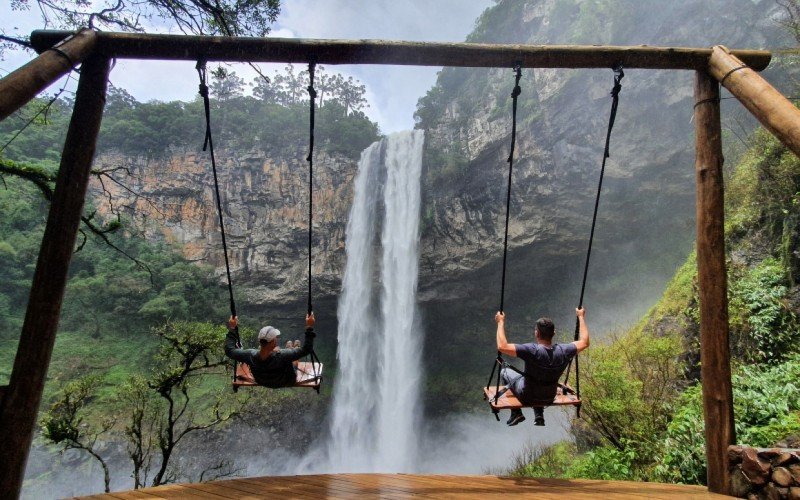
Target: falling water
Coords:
[[376, 394]]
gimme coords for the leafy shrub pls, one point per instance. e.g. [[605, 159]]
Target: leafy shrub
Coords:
[[544, 461], [630, 386], [605, 462], [763, 327], [766, 408]]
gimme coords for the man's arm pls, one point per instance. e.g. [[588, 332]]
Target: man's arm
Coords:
[[502, 344], [583, 335], [308, 342], [231, 350]]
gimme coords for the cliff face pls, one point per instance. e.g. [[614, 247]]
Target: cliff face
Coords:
[[265, 210], [646, 213], [645, 226]]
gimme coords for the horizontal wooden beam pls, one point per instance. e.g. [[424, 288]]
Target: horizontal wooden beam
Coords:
[[23, 84], [288, 50], [770, 107]]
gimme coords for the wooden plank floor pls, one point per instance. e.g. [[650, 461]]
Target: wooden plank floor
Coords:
[[409, 485]]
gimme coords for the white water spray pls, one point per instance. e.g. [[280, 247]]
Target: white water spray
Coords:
[[376, 394]]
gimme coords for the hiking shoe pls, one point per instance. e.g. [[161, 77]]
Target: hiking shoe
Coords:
[[515, 418], [539, 421], [288, 344], [296, 344]]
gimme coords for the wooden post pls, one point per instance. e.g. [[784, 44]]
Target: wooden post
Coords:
[[772, 109], [715, 368], [22, 85], [20, 404]]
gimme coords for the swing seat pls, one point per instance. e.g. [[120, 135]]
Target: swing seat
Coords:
[[309, 375], [565, 396]]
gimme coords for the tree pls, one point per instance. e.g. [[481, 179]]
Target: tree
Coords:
[[188, 350], [351, 94], [226, 85], [64, 422], [199, 17], [158, 411]]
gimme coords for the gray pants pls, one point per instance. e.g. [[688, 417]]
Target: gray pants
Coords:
[[516, 382]]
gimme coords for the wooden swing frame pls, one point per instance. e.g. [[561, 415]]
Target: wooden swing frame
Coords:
[[61, 51]]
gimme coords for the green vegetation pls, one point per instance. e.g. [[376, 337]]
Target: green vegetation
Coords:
[[111, 301], [157, 411], [643, 410], [274, 124]]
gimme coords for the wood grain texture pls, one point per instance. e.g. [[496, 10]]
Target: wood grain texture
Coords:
[[420, 486], [769, 106], [287, 50], [509, 401], [309, 375], [24, 83], [715, 368]]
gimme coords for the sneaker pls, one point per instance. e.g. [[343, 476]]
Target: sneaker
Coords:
[[539, 421], [288, 344], [296, 344], [515, 418]]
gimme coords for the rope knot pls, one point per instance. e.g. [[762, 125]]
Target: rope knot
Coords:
[[516, 92], [311, 92], [618, 76], [203, 90]]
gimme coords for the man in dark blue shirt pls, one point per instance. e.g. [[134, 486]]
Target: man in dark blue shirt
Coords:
[[544, 363]]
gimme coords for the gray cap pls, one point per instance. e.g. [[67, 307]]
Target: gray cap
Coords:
[[268, 333]]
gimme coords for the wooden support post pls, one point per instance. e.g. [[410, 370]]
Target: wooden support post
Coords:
[[22, 85], [715, 368], [20, 405], [769, 106]]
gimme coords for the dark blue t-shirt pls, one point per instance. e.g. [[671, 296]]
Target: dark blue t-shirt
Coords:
[[543, 368]]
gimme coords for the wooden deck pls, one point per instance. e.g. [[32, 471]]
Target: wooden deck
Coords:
[[408, 485]]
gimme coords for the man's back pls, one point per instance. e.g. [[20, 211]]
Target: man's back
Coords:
[[276, 370], [543, 368]]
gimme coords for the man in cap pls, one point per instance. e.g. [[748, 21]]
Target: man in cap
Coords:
[[271, 366]]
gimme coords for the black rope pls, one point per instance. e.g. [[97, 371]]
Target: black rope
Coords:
[[514, 95], [729, 73], [618, 76], [312, 94], [706, 101], [499, 362], [64, 56], [208, 144]]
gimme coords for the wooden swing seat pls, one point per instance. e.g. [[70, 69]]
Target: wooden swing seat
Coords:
[[306, 376], [565, 396]]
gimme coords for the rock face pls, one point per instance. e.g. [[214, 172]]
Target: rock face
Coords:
[[265, 211], [645, 226]]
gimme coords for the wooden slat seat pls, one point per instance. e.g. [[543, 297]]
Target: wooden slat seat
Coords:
[[565, 396], [308, 375]]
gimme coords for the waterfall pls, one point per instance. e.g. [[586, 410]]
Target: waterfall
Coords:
[[376, 393]]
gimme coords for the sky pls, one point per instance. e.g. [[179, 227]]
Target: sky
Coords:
[[392, 91]]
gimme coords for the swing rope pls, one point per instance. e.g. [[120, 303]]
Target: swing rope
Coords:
[[618, 76], [499, 361], [514, 95], [312, 94], [208, 144]]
